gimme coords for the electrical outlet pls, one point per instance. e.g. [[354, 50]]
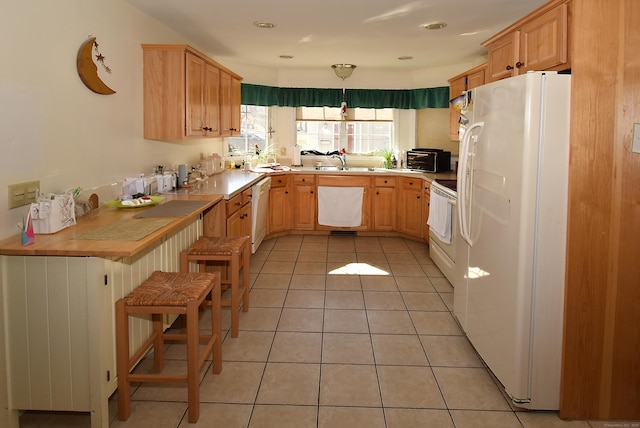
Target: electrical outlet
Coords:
[[22, 193]]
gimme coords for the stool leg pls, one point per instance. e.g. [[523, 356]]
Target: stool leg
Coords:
[[216, 327], [235, 293], [246, 275], [122, 360], [158, 343], [193, 340], [184, 261]]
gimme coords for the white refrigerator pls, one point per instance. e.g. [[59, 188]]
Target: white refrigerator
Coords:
[[512, 210]]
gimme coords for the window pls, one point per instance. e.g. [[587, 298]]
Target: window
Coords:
[[254, 130], [362, 131]]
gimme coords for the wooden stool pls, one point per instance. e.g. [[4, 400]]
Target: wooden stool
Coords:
[[169, 293], [235, 252]]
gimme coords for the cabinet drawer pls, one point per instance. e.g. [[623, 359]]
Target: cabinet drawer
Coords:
[[385, 181], [305, 179], [279, 180], [412, 183], [247, 195], [234, 204], [342, 181]]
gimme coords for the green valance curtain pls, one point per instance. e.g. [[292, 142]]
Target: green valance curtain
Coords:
[[364, 98]]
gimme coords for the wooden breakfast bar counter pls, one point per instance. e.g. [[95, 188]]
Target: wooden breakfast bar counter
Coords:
[[58, 298]]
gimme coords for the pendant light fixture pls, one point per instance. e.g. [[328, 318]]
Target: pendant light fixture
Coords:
[[343, 71]]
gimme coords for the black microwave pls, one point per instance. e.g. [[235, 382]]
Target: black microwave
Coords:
[[429, 160]]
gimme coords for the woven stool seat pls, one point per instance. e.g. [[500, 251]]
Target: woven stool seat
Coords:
[[208, 246], [170, 289], [233, 254], [180, 293]]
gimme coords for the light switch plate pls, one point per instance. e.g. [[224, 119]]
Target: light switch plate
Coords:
[[22, 193], [635, 147]]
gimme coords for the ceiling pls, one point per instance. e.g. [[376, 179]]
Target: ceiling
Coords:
[[371, 34]]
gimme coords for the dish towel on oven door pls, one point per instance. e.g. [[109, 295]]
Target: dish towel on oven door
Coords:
[[340, 206], [440, 217]]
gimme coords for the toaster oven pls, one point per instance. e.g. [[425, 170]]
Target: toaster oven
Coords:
[[429, 160]]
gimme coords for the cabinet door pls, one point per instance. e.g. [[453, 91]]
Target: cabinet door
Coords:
[[384, 209], [543, 41], [456, 87], [212, 101], [239, 223], [304, 207], [502, 57], [236, 100], [410, 207], [475, 79], [225, 104], [195, 72], [279, 210], [425, 205]]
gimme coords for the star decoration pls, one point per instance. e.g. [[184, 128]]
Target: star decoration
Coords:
[[99, 57]]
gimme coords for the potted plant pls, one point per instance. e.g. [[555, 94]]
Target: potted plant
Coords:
[[388, 155]]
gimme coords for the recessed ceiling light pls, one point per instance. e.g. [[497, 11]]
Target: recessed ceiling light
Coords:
[[263, 24], [405, 58], [435, 25], [286, 56]]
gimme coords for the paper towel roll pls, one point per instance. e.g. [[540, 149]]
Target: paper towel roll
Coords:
[[297, 161]]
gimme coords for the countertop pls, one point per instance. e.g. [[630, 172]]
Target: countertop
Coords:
[[64, 242], [227, 184]]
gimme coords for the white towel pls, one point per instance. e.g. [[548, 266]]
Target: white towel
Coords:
[[340, 206], [440, 217]]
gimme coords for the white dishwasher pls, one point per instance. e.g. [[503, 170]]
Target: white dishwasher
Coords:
[[260, 202]]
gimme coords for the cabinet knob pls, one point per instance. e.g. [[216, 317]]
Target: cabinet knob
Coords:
[[418, 197], [519, 64], [312, 192], [238, 204], [303, 180], [509, 67], [206, 128]]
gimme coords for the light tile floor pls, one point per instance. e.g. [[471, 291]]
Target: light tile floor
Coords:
[[343, 331]]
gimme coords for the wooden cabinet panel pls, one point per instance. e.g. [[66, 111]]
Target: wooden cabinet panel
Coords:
[[239, 223], [425, 206], [195, 72], [279, 205], [539, 41], [384, 209], [304, 202], [410, 207], [184, 97], [543, 41], [503, 57], [363, 181], [457, 85]]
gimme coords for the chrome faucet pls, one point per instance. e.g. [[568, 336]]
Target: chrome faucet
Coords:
[[343, 160]]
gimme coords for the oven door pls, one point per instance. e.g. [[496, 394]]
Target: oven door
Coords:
[[443, 254]]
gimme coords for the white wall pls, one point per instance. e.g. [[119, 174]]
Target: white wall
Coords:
[[54, 129]]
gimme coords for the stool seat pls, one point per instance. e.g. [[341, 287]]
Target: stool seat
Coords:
[[163, 293], [169, 289], [234, 253], [216, 246]]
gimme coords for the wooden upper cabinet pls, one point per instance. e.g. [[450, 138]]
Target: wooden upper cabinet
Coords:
[[230, 97], [543, 40], [502, 57], [183, 93], [457, 85], [539, 41]]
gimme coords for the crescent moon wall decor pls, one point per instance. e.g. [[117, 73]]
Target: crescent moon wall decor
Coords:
[[88, 71]]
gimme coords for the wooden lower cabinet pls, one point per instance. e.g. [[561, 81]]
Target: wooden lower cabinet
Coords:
[[239, 213], [363, 181], [384, 204], [425, 206], [410, 206], [279, 204], [304, 202]]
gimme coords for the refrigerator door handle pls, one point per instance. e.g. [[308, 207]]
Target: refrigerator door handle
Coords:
[[463, 177]]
